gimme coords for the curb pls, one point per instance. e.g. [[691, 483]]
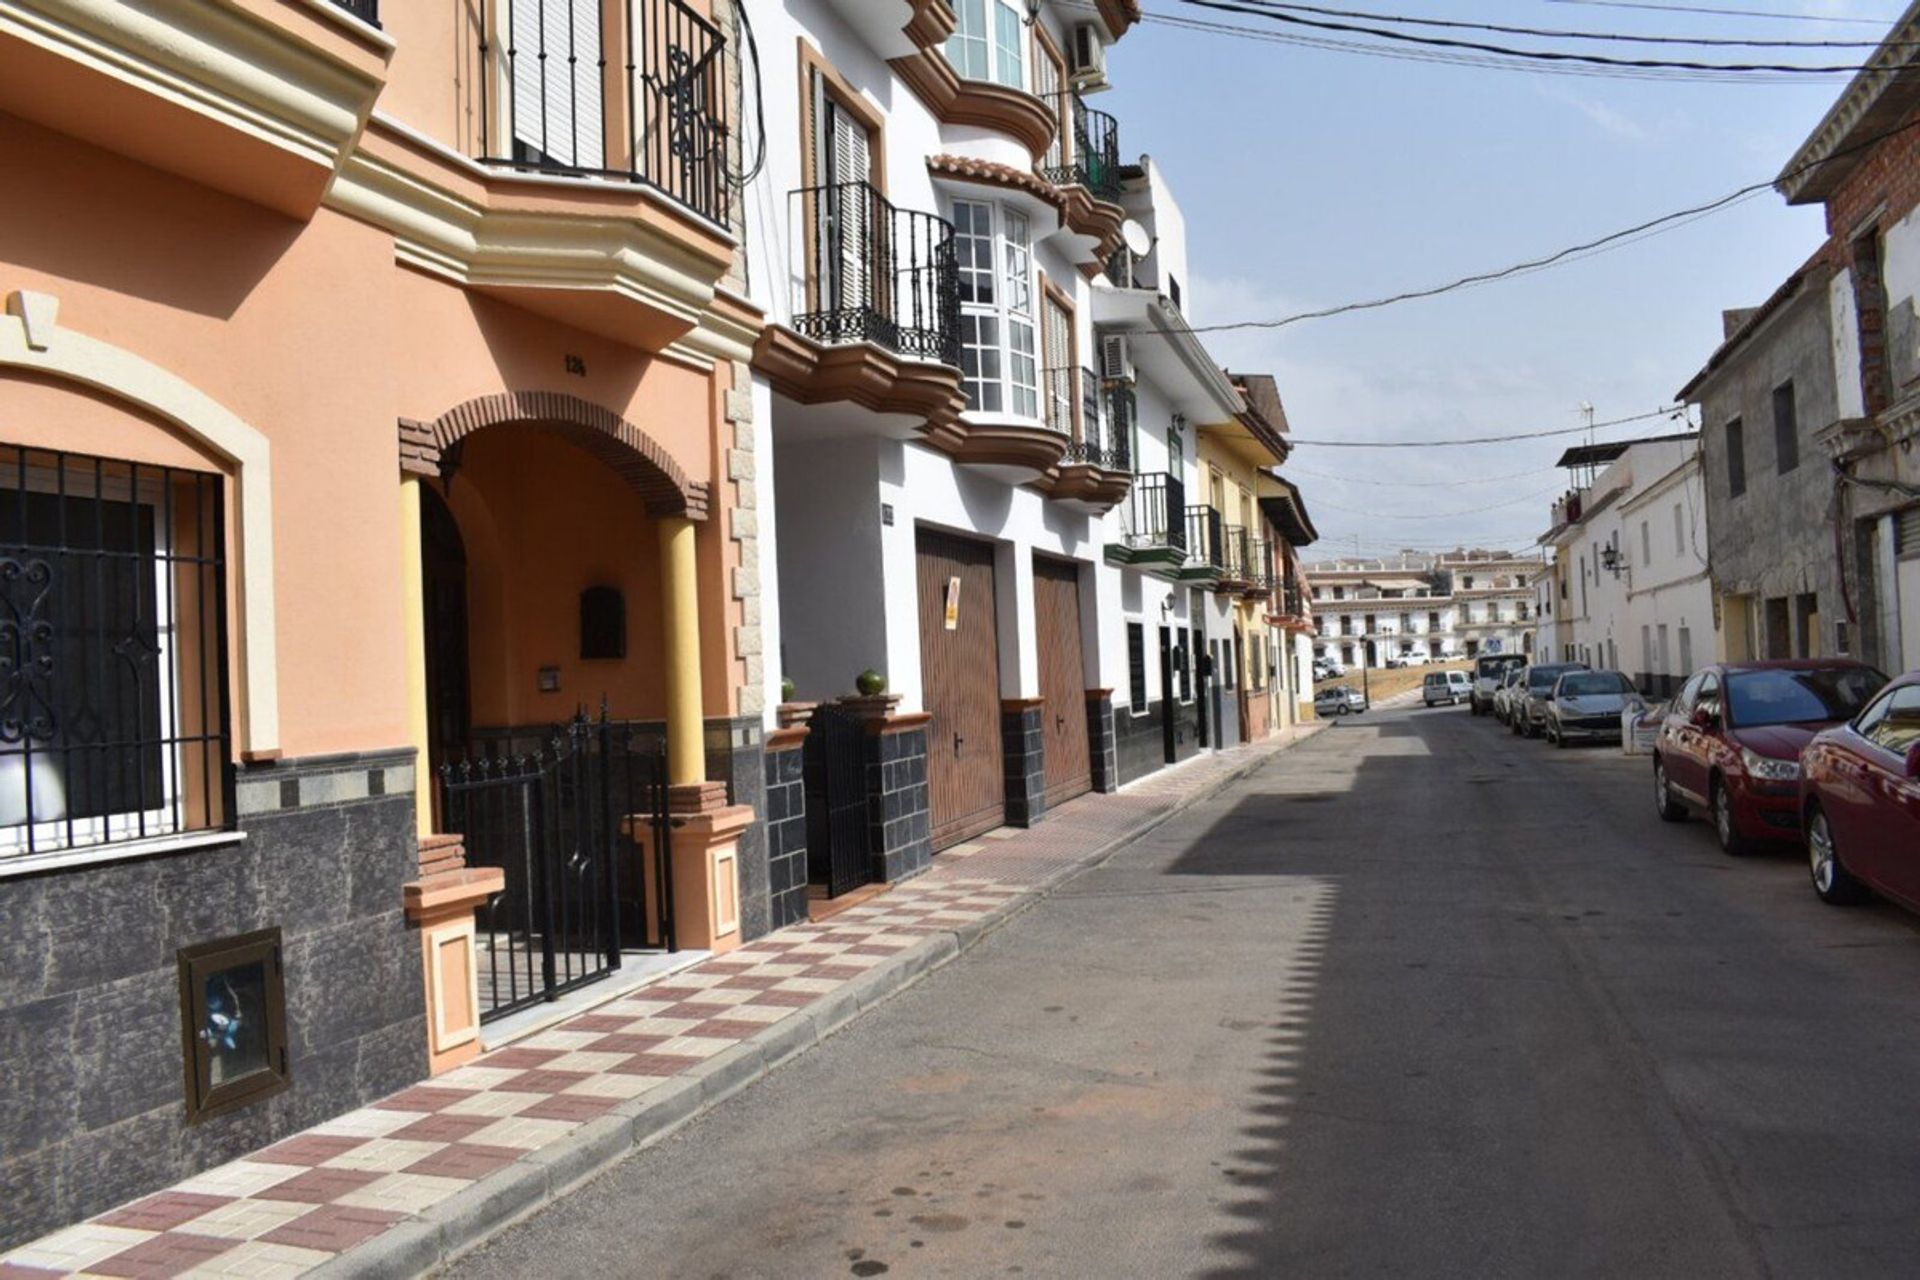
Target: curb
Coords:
[[470, 1218]]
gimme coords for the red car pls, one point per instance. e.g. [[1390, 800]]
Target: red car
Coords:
[[1860, 797], [1731, 742]]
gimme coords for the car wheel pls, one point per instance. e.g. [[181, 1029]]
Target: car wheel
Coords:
[[1343, 709], [1831, 879], [1669, 809], [1530, 730], [1559, 738], [1725, 825]]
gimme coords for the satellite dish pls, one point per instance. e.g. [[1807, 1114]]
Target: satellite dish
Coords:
[[1135, 237]]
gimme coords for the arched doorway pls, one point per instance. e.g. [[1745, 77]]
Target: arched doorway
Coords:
[[443, 565]]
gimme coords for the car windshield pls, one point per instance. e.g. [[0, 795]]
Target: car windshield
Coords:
[[1799, 695], [1590, 684], [1490, 668], [1542, 678]]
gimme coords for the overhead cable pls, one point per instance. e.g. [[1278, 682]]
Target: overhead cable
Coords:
[[1610, 37]]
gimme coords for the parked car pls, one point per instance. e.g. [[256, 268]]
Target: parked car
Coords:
[[1731, 741], [1860, 801], [1340, 700], [1445, 686], [1487, 674], [1328, 668], [1512, 685], [1527, 713], [1588, 705]]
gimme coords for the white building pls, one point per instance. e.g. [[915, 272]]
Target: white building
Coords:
[[1630, 545], [1423, 607]]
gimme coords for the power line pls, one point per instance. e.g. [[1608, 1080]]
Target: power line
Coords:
[[1723, 13], [1290, 471], [1742, 42], [1672, 411], [1435, 515], [1506, 51]]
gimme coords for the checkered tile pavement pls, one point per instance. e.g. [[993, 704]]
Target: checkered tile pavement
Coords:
[[285, 1210]]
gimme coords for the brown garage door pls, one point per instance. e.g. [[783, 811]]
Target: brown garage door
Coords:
[[960, 676], [1056, 615]]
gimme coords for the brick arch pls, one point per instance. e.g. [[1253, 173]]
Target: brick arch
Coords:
[[632, 454]]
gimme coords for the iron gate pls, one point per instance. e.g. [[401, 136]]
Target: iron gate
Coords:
[[579, 827], [837, 854]]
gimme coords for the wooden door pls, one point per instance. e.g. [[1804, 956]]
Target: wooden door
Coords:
[[1063, 686], [960, 680]]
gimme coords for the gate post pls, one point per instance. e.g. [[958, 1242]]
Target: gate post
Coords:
[[441, 904], [899, 813]]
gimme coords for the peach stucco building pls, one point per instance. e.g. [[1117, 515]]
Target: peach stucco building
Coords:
[[373, 398]]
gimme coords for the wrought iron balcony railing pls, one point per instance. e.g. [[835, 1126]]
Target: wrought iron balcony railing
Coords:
[[1094, 160], [641, 98], [368, 11], [1098, 419], [866, 271], [1206, 538], [1259, 562], [1123, 410], [1155, 514], [1235, 562]]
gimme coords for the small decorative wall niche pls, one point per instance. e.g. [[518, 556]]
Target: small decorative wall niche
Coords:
[[233, 1018], [603, 623]]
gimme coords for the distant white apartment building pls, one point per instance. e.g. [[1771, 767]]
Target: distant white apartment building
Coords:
[[1630, 548], [1423, 607]]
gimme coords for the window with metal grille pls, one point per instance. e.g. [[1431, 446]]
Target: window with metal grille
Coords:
[[1786, 430], [1736, 458], [1137, 666], [113, 635]]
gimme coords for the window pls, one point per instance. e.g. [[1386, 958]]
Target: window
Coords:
[[986, 44], [233, 1015], [1646, 545], [1137, 667], [1786, 431], [1664, 669], [1173, 292], [999, 353], [1736, 458], [1188, 641], [1646, 650], [1023, 366], [1894, 723], [113, 579], [1686, 651], [1229, 667], [1679, 531]]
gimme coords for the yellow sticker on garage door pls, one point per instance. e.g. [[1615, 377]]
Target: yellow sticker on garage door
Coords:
[[953, 604]]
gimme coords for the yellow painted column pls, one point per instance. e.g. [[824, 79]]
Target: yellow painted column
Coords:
[[414, 608], [680, 609]]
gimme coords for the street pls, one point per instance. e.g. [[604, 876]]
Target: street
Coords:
[[1416, 998]]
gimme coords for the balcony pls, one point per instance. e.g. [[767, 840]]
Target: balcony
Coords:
[[1236, 561], [1088, 154], [1259, 569], [1153, 524], [1206, 544], [640, 99], [368, 11], [1098, 422], [876, 307]]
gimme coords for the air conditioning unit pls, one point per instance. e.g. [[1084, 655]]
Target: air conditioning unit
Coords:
[[1116, 360], [1087, 59]]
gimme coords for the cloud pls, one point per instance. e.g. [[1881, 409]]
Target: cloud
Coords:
[[1605, 118]]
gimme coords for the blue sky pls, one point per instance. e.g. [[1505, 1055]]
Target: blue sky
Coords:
[[1311, 178]]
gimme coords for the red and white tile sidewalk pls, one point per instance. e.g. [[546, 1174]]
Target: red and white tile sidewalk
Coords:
[[430, 1171]]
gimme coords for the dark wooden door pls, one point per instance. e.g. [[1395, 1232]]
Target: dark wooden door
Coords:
[[443, 564], [1063, 686], [960, 681]]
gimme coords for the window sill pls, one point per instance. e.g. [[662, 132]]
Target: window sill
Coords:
[[91, 855]]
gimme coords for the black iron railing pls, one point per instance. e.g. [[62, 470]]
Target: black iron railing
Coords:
[[1094, 162], [1206, 538], [1155, 512], [641, 99], [867, 271], [1235, 559], [1259, 562], [368, 11], [1293, 606], [113, 652], [1123, 409]]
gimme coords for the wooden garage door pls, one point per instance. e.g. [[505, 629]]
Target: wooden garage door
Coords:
[[1056, 615], [960, 676]]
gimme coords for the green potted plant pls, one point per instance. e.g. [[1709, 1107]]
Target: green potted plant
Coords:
[[786, 688], [870, 683]]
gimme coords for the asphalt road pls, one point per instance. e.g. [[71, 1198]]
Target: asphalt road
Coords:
[[1418, 998]]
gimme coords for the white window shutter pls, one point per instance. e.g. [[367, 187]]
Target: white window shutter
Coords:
[[557, 85]]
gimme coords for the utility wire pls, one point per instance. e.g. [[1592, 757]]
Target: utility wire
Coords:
[[1742, 42], [1289, 470], [1507, 51], [1433, 515], [1723, 13], [1672, 411]]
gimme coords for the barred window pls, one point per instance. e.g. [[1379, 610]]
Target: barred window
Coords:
[[113, 702]]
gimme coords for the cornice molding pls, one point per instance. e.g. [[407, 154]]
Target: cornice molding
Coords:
[[275, 72], [600, 256], [1877, 98], [932, 22], [976, 102], [860, 373]]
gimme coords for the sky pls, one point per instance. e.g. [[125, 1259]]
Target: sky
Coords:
[[1311, 178]]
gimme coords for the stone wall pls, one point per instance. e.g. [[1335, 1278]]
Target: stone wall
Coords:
[[1023, 744], [785, 820], [93, 1111]]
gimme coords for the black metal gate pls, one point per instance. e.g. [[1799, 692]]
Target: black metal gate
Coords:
[[837, 853], [579, 827]]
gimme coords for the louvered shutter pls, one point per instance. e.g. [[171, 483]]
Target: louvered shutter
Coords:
[[555, 54], [852, 240], [1058, 358]]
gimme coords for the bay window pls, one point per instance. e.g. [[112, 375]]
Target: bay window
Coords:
[[987, 42], [999, 349]]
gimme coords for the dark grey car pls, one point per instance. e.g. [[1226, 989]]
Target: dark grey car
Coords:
[[1588, 705], [1530, 706]]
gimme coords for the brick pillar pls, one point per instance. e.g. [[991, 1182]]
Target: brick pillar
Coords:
[[1102, 750], [786, 819], [899, 814], [1023, 740]]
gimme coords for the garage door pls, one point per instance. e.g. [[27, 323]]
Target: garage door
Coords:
[[1063, 686], [960, 678]]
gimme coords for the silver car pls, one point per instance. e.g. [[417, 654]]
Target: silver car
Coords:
[[1511, 686], [1340, 700], [1529, 706], [1587, 705]]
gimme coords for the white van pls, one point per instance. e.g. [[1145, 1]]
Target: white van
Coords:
[[1450, 687]]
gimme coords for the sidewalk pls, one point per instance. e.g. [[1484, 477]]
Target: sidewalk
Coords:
[[402, 1185]]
